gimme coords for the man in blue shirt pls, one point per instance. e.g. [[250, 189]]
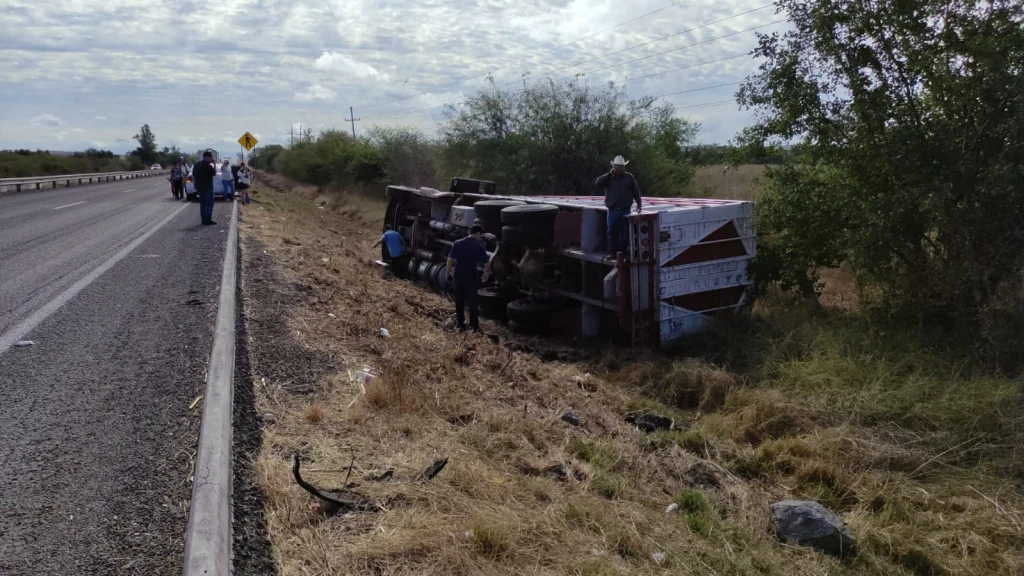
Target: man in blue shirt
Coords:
[[620, 191], [392, 250], [466, 255]]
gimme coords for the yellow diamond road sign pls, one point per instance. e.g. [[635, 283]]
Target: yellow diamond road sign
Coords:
[[248, 141]]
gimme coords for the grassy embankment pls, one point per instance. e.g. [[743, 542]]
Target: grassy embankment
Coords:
[[916, 450]]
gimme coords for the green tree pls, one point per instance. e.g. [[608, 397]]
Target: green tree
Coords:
[[146, 151], [408, 156], [911, 116], [556, 138]]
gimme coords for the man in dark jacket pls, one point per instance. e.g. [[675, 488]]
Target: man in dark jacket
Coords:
[[466, 255], [620, 191], [203, 173]]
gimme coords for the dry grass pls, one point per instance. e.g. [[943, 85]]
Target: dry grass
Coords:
[[720, 181], [914, 453]]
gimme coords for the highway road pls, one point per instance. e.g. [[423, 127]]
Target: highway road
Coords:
[[116, 285]]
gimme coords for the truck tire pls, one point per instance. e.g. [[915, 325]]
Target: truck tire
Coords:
[[491, 209], [531, 237], [531, 312], [492, 303], [490, 226], [530, 215]]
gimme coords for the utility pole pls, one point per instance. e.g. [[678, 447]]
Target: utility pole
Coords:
[[291, 136], [352, 118]]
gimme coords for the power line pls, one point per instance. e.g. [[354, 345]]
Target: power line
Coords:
[[491, 71]]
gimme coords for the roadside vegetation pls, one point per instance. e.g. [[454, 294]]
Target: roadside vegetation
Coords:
[[29, 163], [878, 374]]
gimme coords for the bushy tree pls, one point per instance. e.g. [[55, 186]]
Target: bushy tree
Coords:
[[912, 118], [265, 157], [408, 156], [146, 152], [334, 157], [556, 138]]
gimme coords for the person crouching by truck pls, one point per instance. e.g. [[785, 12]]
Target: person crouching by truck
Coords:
[[466, 254], [392, 251], [620, 191]]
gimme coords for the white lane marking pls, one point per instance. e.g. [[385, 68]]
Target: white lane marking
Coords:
[[17, 333], [70, 205], [129, 190]]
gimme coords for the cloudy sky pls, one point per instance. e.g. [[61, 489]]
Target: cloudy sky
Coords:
[[81, 73]]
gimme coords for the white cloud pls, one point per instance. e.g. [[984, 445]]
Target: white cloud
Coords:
[[334, 62], [316, 92], [47, 120], [261, 65], [65, 133]]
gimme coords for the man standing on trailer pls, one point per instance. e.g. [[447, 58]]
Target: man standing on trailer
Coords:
[[466, 254], [620, 191]]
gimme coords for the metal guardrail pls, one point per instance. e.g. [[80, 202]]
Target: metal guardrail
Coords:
[[41, 182]]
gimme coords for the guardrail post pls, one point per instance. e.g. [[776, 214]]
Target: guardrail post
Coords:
[[37, 185], [19, 187]]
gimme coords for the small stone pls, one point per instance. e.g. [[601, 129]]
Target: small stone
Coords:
[[672, 508], [808, 523]]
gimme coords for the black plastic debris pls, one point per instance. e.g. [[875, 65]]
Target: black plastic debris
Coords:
[[571, 417], [433, 470], [649, 422]]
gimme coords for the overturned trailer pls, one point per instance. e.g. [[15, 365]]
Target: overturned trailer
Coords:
[[686, 265]]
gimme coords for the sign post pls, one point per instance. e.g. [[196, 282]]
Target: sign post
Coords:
[[248, 142]]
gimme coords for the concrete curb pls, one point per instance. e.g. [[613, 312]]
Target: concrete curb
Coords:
[[208, 536]]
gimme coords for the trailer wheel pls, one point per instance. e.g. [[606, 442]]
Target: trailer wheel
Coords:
[[530, 215], [491, 209], [533, 237], [531, 312], [492, 303]]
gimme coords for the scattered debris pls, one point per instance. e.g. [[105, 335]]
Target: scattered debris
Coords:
[[331, 315], [384, 332], [649, 422], [195, 402], [364, 376], [24, 344], [672, 508], [571, 417], [269, 418], [658, 557], [432, 470], [334, 501], [193, 302], [808, 523]]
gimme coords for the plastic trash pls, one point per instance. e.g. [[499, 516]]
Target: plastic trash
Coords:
[[365, 376], [384, 332], [571, 418], [25, 344]]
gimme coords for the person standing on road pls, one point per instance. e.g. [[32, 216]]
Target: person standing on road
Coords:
[[227, 180], [203, 173], [177, 178], [620, 191], [243, 180], [466, 254]]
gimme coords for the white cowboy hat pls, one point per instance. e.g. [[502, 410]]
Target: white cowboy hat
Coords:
[[619, 161]]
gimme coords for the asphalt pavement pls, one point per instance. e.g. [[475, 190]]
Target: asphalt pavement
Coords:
[[116, 286]]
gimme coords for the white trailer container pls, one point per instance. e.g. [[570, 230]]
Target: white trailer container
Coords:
[[686, 266]]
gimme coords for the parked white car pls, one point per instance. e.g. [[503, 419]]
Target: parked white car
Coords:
[[155, 167]]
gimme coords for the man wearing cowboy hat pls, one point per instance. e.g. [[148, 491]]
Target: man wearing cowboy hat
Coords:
[[620, 190]]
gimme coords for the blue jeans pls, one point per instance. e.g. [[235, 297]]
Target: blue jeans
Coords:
[[618, 229], [229, 188], [206, 205]]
